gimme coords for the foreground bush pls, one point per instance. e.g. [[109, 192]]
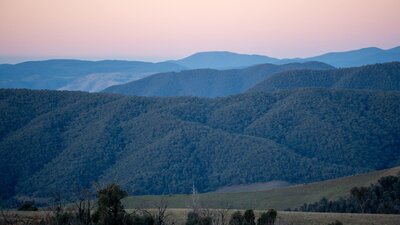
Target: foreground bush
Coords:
[[28, 206], [267, 218]]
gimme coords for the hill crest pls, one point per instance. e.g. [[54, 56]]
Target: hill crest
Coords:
[[206, 82]]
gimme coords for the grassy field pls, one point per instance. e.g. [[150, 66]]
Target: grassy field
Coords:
[[178, 217], [297, 218], [280, 199], [180, 205]]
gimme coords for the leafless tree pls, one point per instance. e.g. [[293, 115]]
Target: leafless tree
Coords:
[[160, 216], [83, 207], [223, 215], [216, 216]]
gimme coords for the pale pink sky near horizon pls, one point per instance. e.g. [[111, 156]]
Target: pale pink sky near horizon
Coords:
[[169, 29]]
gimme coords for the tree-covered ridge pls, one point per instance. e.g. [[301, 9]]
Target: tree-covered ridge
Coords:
[[55, 140], [375, 77], [207, 82]]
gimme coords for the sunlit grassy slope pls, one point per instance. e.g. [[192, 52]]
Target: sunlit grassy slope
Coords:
[[280, 199]]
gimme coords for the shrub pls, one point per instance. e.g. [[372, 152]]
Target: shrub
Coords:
[[249, 217], [236, 218], [337, 222], [28, 206], [267, 218]]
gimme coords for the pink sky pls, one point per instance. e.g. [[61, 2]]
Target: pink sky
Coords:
[[165, 29]]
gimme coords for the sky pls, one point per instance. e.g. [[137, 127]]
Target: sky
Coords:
[[155, 30]]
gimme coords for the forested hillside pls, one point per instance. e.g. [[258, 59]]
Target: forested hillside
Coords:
[[207, 82], [60, 141], [384, 76]]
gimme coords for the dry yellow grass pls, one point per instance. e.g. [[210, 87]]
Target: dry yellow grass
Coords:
[[179, 205], [178, 217]]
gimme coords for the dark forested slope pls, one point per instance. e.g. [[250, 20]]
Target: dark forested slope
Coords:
[[384, 76], [58, 141], [206, 82]]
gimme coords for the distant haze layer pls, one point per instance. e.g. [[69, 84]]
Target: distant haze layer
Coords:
[[156, 30]]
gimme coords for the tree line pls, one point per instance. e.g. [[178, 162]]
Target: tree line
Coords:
[[382, 197], [107, 209]]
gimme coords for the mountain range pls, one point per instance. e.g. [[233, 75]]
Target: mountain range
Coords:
[[59, 141], [77, 74], [94, 76], [354, 58], [228, 60], [263, 77]]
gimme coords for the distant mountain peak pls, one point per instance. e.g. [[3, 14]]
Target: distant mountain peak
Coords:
[[227, 53], [222, 60]]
